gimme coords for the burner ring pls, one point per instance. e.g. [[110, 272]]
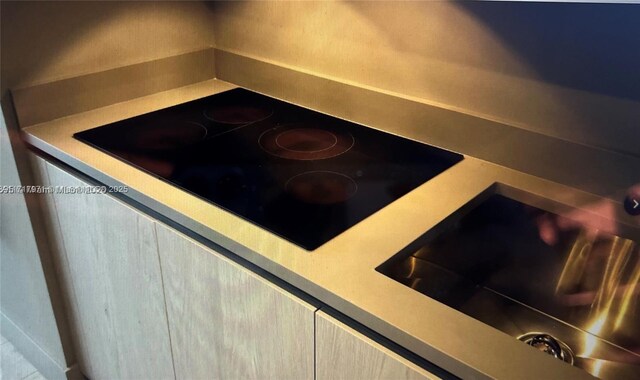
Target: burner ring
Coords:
[[321, 187], [306, 140], [301, 142], [165, 136], [237, 115]]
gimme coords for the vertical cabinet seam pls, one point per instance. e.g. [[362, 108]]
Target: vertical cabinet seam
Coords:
[[164, 297]]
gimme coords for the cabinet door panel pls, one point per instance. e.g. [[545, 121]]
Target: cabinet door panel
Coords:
[[344, 353], [228, 323], [108, 262]]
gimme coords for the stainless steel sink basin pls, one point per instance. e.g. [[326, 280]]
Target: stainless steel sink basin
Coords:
[[562, 287]]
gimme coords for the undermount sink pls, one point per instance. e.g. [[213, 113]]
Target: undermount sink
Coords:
[[559, 286]]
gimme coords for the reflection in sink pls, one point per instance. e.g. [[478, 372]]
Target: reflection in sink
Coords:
[[496, 264]]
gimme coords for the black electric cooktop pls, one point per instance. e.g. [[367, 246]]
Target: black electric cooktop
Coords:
[[300, 174]]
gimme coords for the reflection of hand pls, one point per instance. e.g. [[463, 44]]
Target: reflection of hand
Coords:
[[599, 217], [595, 218], [548, 228], [593, 272]]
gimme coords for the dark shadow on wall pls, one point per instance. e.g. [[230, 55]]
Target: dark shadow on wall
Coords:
[[57, 26], [589, 47], [51, 40]]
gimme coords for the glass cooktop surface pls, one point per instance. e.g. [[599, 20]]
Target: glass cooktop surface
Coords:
[[300, 174]]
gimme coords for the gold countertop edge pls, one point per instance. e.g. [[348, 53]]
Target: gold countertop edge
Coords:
[[399, 313]]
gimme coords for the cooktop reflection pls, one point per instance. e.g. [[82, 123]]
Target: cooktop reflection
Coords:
[[300, 174]]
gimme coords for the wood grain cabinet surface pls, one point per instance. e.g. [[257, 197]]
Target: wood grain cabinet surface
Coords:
[[107, 261], [227, 322], [344, 353], [147, 302]]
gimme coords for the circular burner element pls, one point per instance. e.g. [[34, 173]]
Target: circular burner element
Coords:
[[236, 115], [301, 142], [321, 187], [164, 135], [306, 140]]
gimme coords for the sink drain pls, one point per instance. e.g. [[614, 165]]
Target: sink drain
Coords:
[[549, 345]]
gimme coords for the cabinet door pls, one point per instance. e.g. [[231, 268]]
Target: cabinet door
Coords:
[[344, 353], [107, 258], [227, 322]]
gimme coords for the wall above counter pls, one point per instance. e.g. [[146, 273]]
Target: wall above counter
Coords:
[[563, 70]]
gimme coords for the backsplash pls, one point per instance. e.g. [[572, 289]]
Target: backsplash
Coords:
[[49, 41], [563, 70]]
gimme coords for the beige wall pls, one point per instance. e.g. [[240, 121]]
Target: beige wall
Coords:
[[565, 70], [46, 41]]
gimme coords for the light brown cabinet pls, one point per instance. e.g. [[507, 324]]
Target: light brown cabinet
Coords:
[[344, 353], [147, 302], [227, 322], [107, 261]]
